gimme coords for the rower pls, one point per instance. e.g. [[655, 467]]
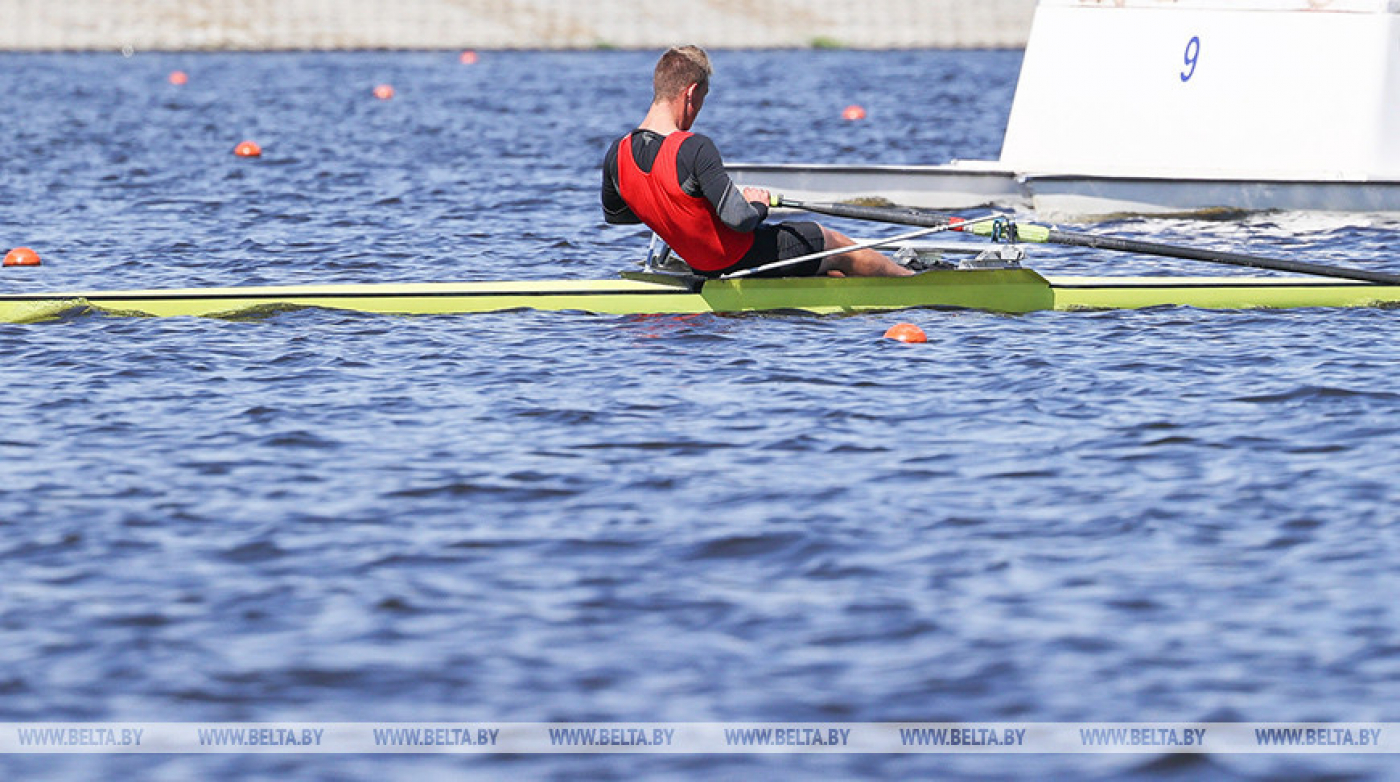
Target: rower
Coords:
[[674, 181]]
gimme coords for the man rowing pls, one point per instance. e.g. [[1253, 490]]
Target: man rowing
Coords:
[[674, 181]]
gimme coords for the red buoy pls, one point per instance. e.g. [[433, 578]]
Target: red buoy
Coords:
[[22, 256], [853, 113], [384, 92], [469, 57], [179, 78], [248, 149], [906, 332]]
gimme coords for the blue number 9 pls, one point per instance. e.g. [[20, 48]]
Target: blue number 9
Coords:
[[1193, 53]]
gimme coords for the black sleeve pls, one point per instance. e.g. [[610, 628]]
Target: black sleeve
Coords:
[[615, 210], [701, 172]]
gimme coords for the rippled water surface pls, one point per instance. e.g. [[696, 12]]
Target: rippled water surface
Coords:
[[1159, 515]]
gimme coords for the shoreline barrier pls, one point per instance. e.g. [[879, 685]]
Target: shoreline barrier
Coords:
[[283, 25]]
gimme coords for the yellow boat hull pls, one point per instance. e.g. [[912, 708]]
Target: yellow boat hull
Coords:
[[995, 290]]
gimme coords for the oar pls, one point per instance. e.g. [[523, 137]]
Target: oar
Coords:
[[1040, 234], [902, 215], [874, 243]]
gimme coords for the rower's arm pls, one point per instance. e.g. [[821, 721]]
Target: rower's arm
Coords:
[[615, 210], [701, 171]]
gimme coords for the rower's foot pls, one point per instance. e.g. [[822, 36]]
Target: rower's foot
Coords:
[[912, 261]]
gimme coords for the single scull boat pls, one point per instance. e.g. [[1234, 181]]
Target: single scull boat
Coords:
[[993, 281], [1009, 290]]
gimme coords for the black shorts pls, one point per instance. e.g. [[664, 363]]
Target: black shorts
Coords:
[[779, 242]]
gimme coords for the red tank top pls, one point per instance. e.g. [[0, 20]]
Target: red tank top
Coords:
[[687, 223]]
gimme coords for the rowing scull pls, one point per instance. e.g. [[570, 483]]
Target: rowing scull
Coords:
[[1007, 290]]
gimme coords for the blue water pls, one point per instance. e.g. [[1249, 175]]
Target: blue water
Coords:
[[1159, 515]]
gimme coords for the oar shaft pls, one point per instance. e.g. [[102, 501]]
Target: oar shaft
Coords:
[[1043, 235], [1217, 256], [880, 214]]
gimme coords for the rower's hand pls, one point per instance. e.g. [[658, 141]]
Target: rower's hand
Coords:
[[752, 194]]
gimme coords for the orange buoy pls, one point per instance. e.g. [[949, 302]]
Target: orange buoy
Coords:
[[248, 149], [384, 92], [469, 57], [179, 78], [906, 332], [853, 113], [22, 256]]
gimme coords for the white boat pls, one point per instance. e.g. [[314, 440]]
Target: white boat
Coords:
[[1170, 107]]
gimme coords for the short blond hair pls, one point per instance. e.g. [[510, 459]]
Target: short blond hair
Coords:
[[678, 68]]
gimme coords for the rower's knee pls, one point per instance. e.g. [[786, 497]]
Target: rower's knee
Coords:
[[857, 263], [834, 239]]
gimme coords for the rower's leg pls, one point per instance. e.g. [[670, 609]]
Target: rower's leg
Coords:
[[857, 263]]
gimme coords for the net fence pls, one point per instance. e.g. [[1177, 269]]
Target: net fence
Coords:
[[510, 24]]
